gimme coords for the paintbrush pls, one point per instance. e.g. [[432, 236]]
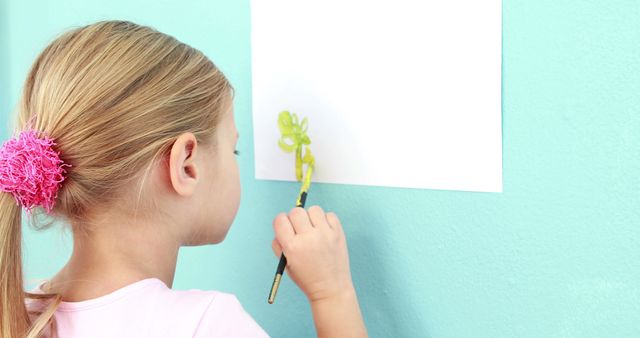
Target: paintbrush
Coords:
[[293, 138]]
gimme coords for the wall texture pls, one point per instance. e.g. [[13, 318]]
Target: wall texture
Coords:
[[556, 255], [4, 65]]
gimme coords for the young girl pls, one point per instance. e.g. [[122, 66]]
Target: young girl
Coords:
[[128, 136]]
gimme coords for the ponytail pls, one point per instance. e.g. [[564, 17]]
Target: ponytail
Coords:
[[14, 319]]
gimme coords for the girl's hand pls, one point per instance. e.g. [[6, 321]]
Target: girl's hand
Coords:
[[316, 250]]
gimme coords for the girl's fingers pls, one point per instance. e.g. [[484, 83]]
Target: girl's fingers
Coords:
[[283, 229], [275, 246], [318, 218], [300, 220], [334, 222]]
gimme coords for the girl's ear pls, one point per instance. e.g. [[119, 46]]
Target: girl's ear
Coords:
[[183, 171]]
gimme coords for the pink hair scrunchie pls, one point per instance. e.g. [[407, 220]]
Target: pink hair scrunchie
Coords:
[[31, 170]]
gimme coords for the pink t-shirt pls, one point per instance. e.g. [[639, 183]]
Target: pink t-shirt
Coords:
[[148, 308]]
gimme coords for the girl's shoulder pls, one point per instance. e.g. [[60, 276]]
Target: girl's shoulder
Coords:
[[226, 317], [149, 308]]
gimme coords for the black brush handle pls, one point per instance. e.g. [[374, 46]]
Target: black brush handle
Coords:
[[283, 261]]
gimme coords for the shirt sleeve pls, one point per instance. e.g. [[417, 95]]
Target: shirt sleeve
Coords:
[[225, 317]]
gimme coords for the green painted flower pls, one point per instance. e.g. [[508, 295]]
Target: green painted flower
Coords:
[[293, 138]]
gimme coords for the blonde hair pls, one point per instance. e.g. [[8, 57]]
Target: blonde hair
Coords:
[[114, 96]]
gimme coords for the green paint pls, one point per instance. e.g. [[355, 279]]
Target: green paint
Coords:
[[293, 138]]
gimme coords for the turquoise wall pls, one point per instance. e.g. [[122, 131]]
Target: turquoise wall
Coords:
[[556, 255], [4, 66]]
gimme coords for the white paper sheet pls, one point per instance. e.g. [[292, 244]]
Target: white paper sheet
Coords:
[[398, 93]]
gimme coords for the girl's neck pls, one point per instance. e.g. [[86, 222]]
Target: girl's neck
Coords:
[[113, 256]]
